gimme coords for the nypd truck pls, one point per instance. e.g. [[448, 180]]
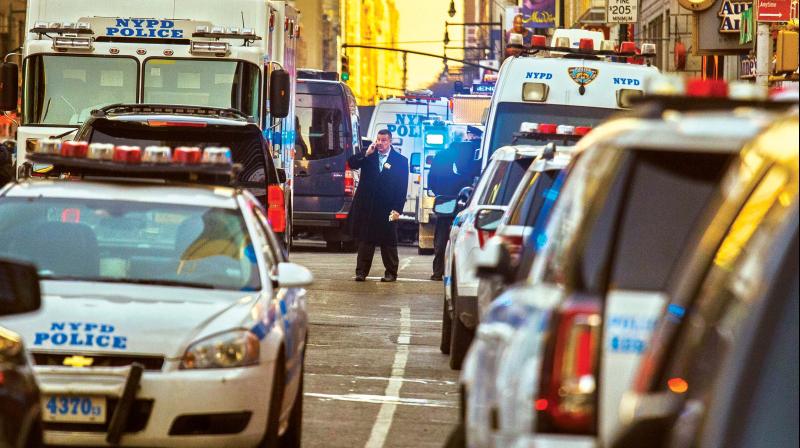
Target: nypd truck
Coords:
[[579, 86], [83, 55]]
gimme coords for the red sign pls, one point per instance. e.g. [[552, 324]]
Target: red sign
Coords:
[[773, 10]]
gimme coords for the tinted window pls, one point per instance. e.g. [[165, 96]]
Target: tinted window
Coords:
[[321, 125], [100, 240], [533, 198], [666, 195], [509, 116], [246, 144], [504, 181]]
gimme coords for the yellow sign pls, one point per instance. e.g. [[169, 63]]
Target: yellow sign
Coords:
[[78, 361]]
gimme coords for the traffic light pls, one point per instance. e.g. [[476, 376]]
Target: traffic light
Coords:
[[345, 68]]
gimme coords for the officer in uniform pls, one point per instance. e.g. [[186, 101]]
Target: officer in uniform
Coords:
[[451, 170]]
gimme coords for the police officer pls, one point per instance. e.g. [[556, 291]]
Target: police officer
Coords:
[[451, 170]]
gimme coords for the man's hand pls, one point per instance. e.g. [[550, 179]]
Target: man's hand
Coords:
[[370, 150], [394, 216]]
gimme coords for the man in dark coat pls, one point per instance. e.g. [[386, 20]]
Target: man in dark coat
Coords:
[[377, 205], [451, 170]]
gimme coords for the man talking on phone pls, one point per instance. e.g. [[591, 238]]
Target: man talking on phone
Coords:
[[379, 199]]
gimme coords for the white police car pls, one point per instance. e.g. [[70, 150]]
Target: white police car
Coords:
[[170, 316]]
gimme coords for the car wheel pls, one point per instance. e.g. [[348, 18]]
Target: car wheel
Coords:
[[270, 439], [444, 345], [292, 437], [460, 335]]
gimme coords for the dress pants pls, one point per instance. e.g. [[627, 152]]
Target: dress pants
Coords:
[[366, 251], [441, 236]]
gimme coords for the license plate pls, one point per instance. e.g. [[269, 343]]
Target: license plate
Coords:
[[74, 409]]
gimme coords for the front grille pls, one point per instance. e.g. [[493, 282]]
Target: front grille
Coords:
[[57, 359], [137, 419]]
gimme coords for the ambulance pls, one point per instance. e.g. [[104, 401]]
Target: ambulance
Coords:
[[83, 55], [580, 79], [404, 117]]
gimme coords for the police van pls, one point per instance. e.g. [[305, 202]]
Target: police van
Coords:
[[82, 55], [578, 80], [404, 117]]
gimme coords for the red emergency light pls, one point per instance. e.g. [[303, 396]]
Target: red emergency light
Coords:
[[74, 149], [127, 154], [707, 88], [538, 40], [586, 45], [189, 155]]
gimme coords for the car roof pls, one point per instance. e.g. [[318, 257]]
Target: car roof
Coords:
[[134, 113], [127, 190], [512, 152], [716, 131]]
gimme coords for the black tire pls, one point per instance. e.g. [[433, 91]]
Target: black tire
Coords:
[[444, 345], [421, 251], [271, 439], [460, 335], [292, 438]]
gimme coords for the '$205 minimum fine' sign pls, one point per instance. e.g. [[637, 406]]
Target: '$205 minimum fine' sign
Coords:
[[622, 11]]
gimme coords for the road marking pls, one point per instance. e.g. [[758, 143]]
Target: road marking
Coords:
[[405, 263], [382, 378], [382, 399], [383, 422], [403, 279]]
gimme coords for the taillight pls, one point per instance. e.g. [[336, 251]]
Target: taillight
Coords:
[[483, 236], [276, 208], [567, 400], [514, 246], [349, 181]]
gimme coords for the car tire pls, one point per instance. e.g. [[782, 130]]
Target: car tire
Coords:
[[271, 438], [460, 335], [422, 251], [444, 345], [293, 435]]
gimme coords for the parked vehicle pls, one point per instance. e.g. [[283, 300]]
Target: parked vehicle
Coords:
[[564, 346], [20, 408], [327, 135], [721, 368]]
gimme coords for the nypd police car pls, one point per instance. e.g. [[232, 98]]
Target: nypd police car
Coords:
[[170, 315]]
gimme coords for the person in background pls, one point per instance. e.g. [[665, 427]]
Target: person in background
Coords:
[[376, 208], [451, 170]]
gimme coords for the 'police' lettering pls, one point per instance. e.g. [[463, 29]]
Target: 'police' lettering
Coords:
[[81, 334]]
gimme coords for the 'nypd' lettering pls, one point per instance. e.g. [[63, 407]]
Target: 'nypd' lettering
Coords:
[[149, 28], [81, 334], [538, 75], [626, 82], [407, 125]]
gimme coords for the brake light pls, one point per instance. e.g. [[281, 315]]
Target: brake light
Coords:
[[276, 208], [567, 401], [483, 236], [179, 124], [349, 181]]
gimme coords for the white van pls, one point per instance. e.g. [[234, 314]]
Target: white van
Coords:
[[403, 116], [561, 88]]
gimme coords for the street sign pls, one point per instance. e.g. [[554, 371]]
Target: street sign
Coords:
[[623, 11], [773, 10]]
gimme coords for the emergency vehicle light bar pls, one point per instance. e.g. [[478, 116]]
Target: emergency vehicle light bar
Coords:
[[62, 28], [167, 109], [220, 32]]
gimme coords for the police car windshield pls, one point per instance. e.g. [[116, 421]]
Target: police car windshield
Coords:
[[245, 143], [510, 116], [63, 90], [126, 241], [225, 84]]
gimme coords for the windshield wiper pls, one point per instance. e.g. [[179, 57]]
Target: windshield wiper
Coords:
[[137, 281], [64, 134]]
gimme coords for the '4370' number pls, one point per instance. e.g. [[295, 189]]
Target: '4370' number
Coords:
[[72, 405]]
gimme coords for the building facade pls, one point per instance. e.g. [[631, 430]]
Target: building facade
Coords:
[[320, 28]]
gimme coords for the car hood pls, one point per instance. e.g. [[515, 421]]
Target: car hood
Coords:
[[87, 317]]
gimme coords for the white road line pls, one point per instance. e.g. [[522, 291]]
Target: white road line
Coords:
[[383, 422], [403, 279], [382, 399], [405, 263]]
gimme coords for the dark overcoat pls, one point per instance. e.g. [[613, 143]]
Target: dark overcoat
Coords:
[[378, 193]]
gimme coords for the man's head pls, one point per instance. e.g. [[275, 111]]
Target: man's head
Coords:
[[383, 141], [474, 133]]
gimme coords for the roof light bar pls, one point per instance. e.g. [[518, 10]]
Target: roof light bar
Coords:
[[157, 154], [101, 151], [189, 155], [221, 32], [215, 48], [586, 47], [64, 43], [61, 28]]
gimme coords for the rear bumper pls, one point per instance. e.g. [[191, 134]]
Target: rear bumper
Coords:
[[320, 219]]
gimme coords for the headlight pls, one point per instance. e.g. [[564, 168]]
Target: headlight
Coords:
[[236, 348], [10, 344]]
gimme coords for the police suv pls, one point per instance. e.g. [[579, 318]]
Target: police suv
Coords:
[[170, 316]]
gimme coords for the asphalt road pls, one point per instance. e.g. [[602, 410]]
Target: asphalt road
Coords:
[[374, 374]]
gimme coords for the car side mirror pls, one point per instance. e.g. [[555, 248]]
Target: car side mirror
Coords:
[[281, 175], [494, 259], [444, 205], [19, 288], [9, 84], [463, 198], [279, 93], [488, 219], [292, 275]]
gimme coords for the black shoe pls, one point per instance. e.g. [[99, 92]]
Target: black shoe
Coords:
[[360, 278], [388, 279], [436, 278]]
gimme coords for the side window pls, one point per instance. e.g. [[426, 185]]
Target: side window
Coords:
[[273, 252], [505, 181]]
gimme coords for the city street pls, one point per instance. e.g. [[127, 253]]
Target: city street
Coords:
[[374, 373]]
